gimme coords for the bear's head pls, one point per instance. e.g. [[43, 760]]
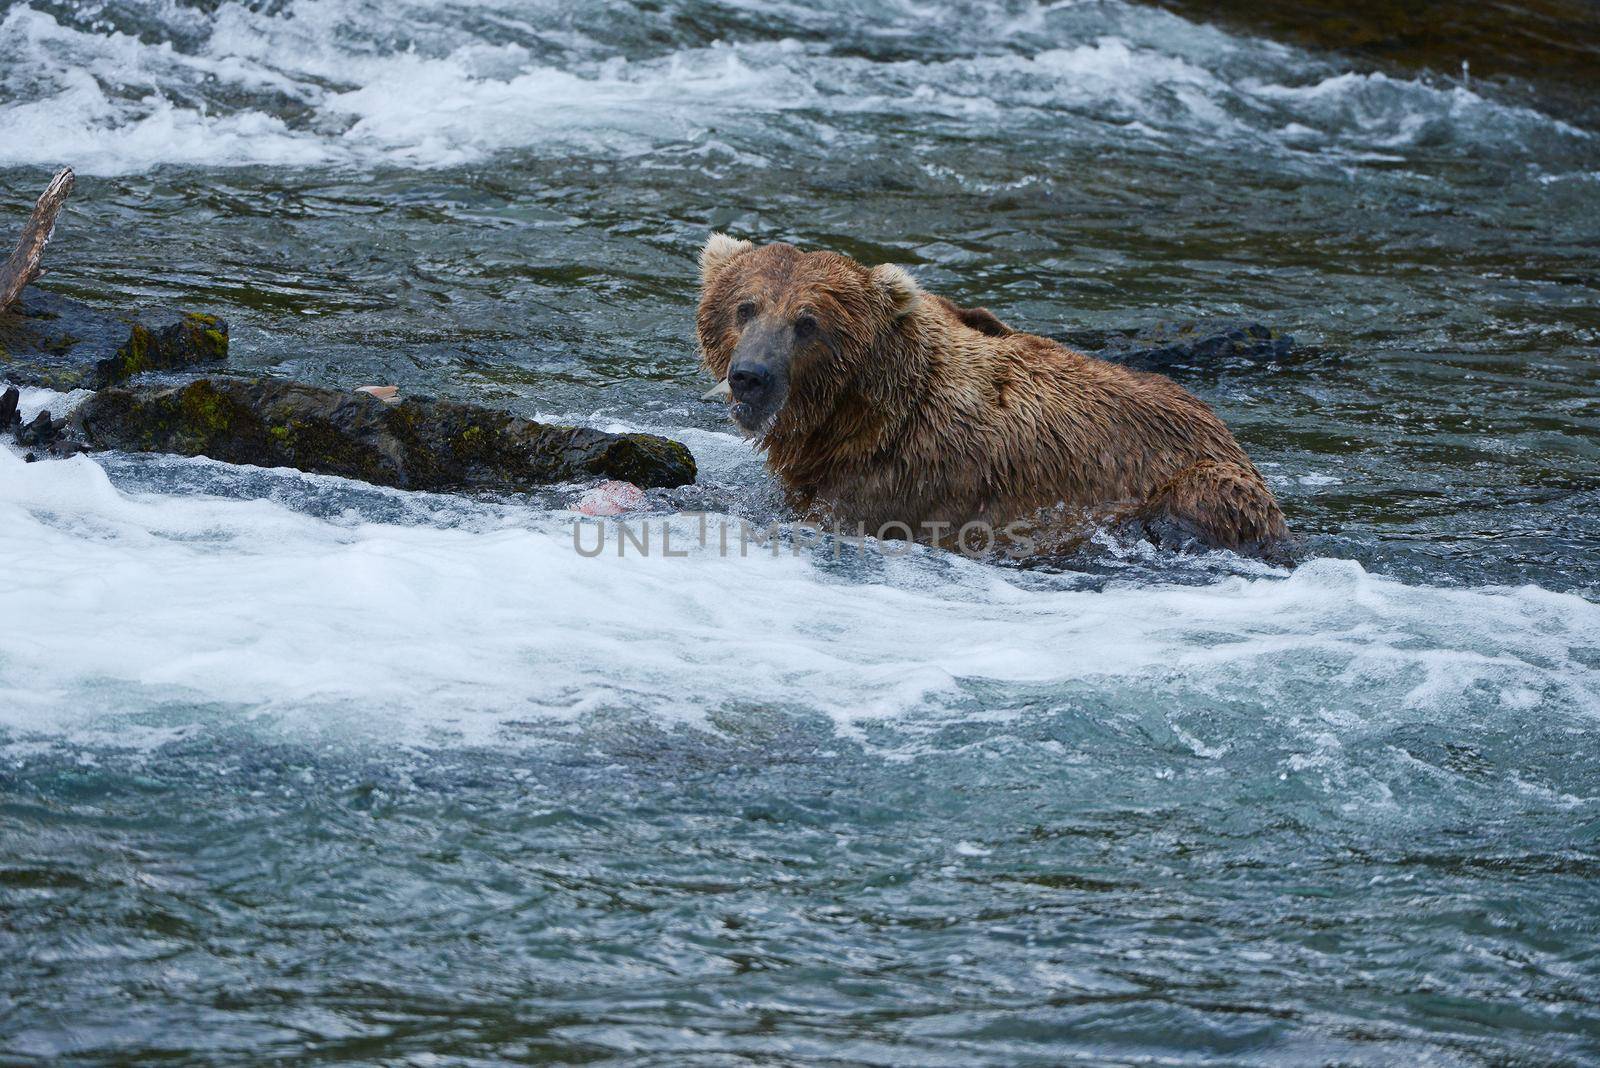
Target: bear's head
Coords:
[[791, 332]]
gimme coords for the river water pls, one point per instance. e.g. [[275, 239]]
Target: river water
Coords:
[[297, 770]]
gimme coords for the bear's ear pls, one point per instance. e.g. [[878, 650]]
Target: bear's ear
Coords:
[[719, 252], [898, 287]]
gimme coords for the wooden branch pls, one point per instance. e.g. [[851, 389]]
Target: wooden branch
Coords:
[[24, 265]]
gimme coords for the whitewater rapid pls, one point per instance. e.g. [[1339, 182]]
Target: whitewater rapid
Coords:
[[356, 84], [134, 615]]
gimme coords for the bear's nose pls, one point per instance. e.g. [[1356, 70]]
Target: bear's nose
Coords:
[[749, 381]]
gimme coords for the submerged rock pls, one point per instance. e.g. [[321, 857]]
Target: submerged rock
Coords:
[[418, 443], [1202, 348], [1203, 345], [59, 343]]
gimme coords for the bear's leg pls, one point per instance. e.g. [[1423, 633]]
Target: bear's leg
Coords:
[[1222, 505]]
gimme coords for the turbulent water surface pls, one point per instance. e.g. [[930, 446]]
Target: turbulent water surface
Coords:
[[293, 769]]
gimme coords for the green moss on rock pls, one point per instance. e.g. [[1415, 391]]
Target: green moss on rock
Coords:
[[135, 354], [204, 409]]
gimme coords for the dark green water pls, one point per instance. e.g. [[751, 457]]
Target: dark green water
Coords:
[[294, 770]]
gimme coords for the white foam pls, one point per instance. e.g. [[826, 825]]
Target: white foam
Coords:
[[31, 400], [141, 612]]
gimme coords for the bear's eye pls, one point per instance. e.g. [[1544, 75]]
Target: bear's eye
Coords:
[[805, 328], [746, 312]]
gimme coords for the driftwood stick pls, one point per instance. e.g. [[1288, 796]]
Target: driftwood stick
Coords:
[[24, 265]]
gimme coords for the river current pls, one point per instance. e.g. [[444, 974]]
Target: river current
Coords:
[[297, 770]]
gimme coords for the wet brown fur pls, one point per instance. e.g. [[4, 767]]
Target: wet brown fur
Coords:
[[908, 408]]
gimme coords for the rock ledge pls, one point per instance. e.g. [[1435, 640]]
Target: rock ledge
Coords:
[[420, 443]]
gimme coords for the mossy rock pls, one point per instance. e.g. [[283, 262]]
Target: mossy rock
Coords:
[[54, 341], [1552, 44], [421, 443]]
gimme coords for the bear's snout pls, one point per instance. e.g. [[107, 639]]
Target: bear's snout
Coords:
[[753, 394], [758, 376]]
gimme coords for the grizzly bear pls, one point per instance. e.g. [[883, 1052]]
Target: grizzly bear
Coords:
[[881, 406]]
